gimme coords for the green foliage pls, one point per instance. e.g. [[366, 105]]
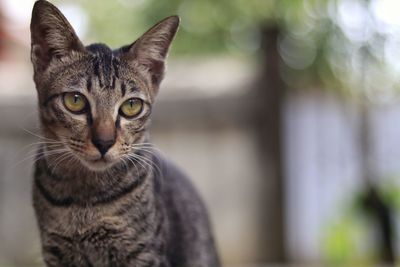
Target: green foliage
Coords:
[[207, 27], [341, 246], [350, 239]]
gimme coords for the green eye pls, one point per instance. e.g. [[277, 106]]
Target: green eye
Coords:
[[75, 102], [131, 107]]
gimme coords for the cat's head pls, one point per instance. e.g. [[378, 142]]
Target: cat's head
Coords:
[[94, 101]]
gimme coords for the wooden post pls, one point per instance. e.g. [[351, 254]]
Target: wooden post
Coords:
[[268, 112]]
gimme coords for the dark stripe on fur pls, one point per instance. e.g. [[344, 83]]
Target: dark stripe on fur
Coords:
[[89, 118], [126, 190], [106, 59], [116, 65], [55, 251], [89, 85], [102, 198], [123, 89], [113, 82], [96, 69], [52, 200], [118, 122]]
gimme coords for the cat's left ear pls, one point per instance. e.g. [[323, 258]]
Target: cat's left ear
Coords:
[[152, 48], [51, 35]]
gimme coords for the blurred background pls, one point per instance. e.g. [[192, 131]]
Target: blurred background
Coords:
[[285, 114]]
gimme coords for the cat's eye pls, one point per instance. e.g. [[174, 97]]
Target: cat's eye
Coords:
[[75, 102], [131, 108]]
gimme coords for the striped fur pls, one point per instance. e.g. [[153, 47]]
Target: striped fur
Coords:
[[127, 206]]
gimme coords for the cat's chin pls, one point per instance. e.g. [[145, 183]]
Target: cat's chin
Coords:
[[98, 165]]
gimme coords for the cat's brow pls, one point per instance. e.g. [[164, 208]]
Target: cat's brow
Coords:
[[132, 86], [48, 99], [128, 87], [134, 89]]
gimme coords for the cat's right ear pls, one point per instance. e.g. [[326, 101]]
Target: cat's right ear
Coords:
[[51, 35]]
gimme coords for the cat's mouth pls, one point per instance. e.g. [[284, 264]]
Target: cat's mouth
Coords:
[[99, 160], [98, 164]]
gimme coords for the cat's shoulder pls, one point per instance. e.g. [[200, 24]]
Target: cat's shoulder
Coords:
[[174, 183]]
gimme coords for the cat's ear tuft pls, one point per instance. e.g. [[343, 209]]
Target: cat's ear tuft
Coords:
[[151, 49], [51, 35]]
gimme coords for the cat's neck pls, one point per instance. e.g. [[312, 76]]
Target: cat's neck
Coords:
[[67, 183]]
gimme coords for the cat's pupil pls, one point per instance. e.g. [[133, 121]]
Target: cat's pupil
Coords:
[[76, 99]]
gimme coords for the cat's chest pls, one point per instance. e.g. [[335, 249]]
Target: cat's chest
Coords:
[[89, 238], [77, 221]]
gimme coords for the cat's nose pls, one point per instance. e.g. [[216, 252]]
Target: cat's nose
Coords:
[[103, 134], [103, 145]]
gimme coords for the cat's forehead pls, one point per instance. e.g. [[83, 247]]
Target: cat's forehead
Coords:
[[110, 71], [101, 73], [99, 49], [104, 66]]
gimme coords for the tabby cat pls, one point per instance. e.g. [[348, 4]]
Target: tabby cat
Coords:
[[101, 194]]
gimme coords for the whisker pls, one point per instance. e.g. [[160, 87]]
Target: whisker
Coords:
[[133, 162], [146, 145], [71, 158], [40, 155], [137, 161], [151, 163], [35, 145], [58, 160], [37, 135], [140, 159]]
